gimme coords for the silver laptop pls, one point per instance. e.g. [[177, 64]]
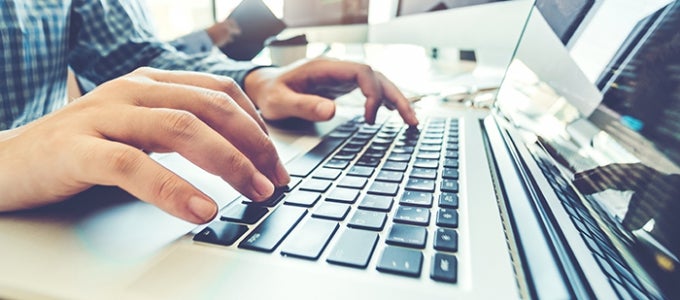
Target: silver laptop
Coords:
[[564, 187]]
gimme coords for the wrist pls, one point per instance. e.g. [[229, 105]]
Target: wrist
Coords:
[[256, 79]]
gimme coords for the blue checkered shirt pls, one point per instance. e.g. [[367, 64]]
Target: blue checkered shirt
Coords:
[[99, 39]]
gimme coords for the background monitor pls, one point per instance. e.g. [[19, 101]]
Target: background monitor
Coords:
[[410, 7], [564, 16]]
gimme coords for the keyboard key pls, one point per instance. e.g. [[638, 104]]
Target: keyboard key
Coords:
[[361, 171], [271, 201], [390, 176], [451, 154], [384, 188], [326, 173], [427, 155], [368, 161], [354, 248], [331, 211], [269, 234], [376, 202], [242, 213], [407, 236], [395, 166], [315, 185], [353, 182], [294, 181], [344, 195], [450, 173], [303, 165], [431, 148], [412, 215], [366, 219], [451, 163], [447, 218], [339, 164], [446, 240], [449, 185], [404, 149], [426, 163], [444, 268], [310, 239], [448, 200], [221, 233], [302, 198], [403, 157], [418, 184], [401, 261], [423, 173], [413, 198]]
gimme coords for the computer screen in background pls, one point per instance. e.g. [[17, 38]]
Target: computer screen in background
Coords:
[[564, 16], [411, 7], [299, 13]]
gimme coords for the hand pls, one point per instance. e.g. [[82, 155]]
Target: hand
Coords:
[[305, 90], [224, 32], [100, 139]]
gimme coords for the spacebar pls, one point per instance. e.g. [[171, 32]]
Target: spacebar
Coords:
[[303, 165]]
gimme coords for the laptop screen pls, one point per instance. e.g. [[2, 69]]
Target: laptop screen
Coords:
[[617, 138]]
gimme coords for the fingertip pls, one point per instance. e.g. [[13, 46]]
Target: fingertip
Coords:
[[324, 110], [204, 210], [262, 187]]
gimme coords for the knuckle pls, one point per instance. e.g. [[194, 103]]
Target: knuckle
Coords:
[[143, 70], [228, 85], [165, 186], [124, 160], [181, 124]]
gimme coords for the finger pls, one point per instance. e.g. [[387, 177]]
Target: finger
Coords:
[[394, 97], [306, 106], [220, 112], [165, 129], [208, 81], [112, 163]]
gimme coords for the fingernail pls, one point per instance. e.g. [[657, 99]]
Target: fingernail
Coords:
[[202, 208], [263, 187]]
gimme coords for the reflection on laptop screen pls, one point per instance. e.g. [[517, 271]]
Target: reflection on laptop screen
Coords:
[[622, 153]]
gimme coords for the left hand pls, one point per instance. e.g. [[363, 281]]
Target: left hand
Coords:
[[306, 90]]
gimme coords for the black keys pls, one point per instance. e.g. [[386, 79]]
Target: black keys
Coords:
[[447, 218], [267, 236], [426, 163], [395, 166], [390, 176], [271, 201], [412, 215], [450, 173], [448, 200], [423, 173], [222, 233], [415, 198], [449, 185], [315, 185], [418, 184], [344, 195], [366, 219], [384, 188], [354, 248], [353, 182], [444, 268], [242, 213], [361, 171], [446, 240], [326, 173], [331, 211], [407, 236], [310, 239], [376, 202], [302, 198], [401, 261], [303, 165]]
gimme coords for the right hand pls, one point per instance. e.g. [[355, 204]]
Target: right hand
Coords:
[[100, 139]]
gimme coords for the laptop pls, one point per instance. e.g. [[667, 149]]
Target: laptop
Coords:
[[563, 188]]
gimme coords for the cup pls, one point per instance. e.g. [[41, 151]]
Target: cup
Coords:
[[286, 51]]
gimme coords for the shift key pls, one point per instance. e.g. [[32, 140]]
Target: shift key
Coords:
[[269, 234], [354, 249]]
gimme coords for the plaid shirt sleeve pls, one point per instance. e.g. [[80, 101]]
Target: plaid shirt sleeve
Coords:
[[112, 38]]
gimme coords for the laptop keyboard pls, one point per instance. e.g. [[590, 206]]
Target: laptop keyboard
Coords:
[[362, 186]]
